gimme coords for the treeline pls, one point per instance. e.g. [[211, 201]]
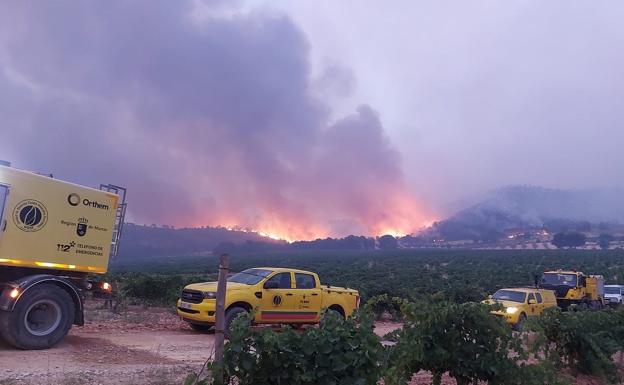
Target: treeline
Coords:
[[566, 239], [352, 242], [578, 239], [462, 341]]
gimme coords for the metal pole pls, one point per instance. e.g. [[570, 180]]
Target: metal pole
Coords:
[[224, 268]]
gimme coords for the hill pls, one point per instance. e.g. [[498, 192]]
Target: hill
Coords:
[[501, 212], [529, 207], [147, 241]]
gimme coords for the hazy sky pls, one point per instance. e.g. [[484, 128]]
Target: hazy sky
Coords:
[[311, 118], [478, 94]]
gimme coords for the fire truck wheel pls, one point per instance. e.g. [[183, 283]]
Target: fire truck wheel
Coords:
[[41, 318], [595, 305]]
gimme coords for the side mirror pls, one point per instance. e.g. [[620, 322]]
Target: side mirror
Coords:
[[489, 297], [271, 285], [532, 302]]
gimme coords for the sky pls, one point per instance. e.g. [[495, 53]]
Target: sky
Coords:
[[305, 119]]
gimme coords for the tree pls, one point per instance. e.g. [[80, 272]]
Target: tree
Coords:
[[388, 242], [604, 240], [569, 239]]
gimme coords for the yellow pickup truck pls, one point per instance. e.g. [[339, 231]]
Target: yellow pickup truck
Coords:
[[275, 295], [522, 302]]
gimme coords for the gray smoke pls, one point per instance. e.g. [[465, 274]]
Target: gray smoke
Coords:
[[207, 120]]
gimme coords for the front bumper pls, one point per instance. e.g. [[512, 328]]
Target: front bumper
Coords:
[[612, 300], [509, 318], [203, 312]]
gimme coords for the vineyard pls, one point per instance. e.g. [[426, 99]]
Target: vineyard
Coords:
[[462, 343], [459, 276], [436, 296]]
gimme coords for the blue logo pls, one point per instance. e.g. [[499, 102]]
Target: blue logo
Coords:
[[30, 215]]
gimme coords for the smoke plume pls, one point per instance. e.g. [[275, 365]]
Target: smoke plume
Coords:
[[209, 116]]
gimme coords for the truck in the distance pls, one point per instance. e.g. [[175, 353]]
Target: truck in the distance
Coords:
[[575, 288], [54, 235], [614, 295], [274, 295]]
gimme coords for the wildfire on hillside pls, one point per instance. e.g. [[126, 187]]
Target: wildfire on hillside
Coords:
[[402, 218]]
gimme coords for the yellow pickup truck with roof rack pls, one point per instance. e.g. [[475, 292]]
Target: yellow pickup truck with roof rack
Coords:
[[275, 295]]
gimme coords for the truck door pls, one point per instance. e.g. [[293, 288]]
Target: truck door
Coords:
[[532, 304], [308, 298], [4, 191], [540, 303], [278, 303]]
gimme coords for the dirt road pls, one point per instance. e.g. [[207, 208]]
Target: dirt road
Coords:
[[140, 346], [137, 347]]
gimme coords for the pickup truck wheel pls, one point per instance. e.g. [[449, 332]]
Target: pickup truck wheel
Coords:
[[230, 316], [200, 327], [41, 318], [337, 310]]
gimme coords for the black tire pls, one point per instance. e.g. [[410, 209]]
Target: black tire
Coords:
[[585, 305], [200, 327], [41, 318], [595, 305], [230, 316], [519, 326], [297, 326], [338, 311]]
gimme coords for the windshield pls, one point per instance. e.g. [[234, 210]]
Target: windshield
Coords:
[[559, 279], [250, 276], [509, 295], [612, 290]]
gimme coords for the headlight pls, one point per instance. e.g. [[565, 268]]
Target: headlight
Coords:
[[511, 310], [210, 295]]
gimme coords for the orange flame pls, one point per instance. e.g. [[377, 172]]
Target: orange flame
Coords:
[[401, 217]]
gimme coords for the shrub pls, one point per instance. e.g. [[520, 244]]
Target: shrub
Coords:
[[153, 289], [339, 352], [463, 340], [383, 304], [584, 341]]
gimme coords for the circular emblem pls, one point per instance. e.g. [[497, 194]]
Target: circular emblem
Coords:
[[73, 199], [277, 300], [30, 215]]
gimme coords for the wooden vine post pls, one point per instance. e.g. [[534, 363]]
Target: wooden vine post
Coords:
[[224, 269]]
